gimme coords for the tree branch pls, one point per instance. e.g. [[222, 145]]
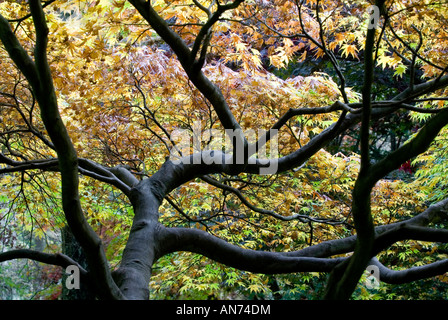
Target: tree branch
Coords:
[[201, 242], [293, 112], [204, 36], [314, 258], [435, 213], [412, 274], [57, 259], [118, 177], [163, 30], [419, 144], [210, 91], [17, 53], [39, 76]]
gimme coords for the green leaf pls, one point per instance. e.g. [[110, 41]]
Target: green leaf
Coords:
[[400, 70]]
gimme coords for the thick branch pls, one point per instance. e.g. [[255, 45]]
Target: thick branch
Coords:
[[17, 53], [39, 76], [361, 195], [408, 232], [293, 112], [433, 214], [19, 166], [343, 280], [314, 258], [201, 242], [412, 274], [118, 176], [198, 241], [210, 91], [148, 240], [163, 30], [419, 144]]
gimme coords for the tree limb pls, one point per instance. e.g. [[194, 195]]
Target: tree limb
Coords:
[[210, 91], [17, 53], [314, 258], [392, 161], [204, 36], [412, 274], [118, 177], [198, 241], [435, 213], [39, 76], [343, 279], [57, 259]]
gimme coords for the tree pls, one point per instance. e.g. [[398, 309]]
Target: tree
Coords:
[[96, 98]]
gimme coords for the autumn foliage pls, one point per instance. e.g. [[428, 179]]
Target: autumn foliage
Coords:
[[127, 75]]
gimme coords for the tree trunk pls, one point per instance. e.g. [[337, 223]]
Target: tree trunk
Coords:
[[72, 248]]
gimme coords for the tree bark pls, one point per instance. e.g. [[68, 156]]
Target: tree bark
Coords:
[[72, 249]]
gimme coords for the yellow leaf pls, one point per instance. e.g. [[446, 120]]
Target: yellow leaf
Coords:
[[349, 50]]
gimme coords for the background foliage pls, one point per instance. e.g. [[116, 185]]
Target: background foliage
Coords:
[[122, 92]]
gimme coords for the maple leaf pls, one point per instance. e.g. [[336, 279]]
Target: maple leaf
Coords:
[[400, 70], [349, 50], [126, 82]]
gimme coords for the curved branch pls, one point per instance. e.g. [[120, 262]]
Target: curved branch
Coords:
[[246, 202], [408, 232], [293, 112], [344, 279], [201, 242], [210, 91], [386, 233], [380, 109], [118, 177], [149, 240], [419, 144], [57, 259], [412, 274], [298, 157], [38, 74], [19, 166], [17, 53], [314, 258], [204, 36]]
